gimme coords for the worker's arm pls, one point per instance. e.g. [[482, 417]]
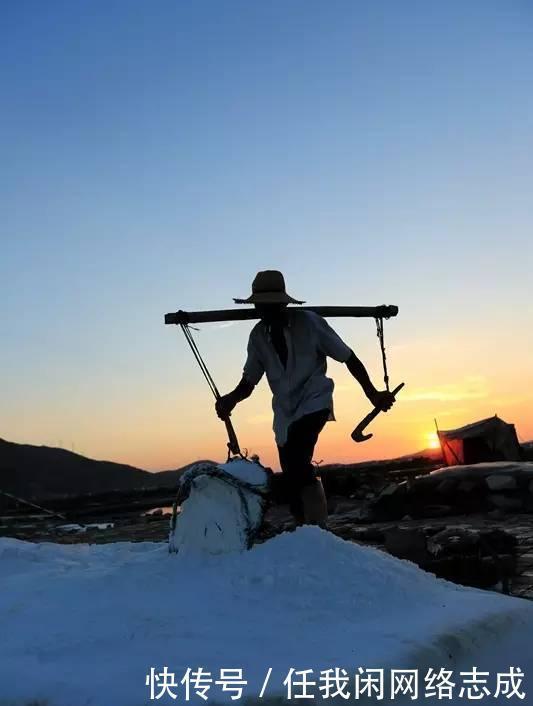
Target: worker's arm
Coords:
[[252, 374], [382, 399], [333, 346], [225, 404]]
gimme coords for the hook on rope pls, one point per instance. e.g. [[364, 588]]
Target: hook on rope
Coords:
[[358, 434]]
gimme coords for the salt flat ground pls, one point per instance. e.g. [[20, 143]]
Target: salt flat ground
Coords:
[[83, 624]]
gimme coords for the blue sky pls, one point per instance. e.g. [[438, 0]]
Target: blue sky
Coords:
[[156, 155]]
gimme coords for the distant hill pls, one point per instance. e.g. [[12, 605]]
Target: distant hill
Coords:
[[434, 454], [169, 479], [427, 456], [34, 472], [40, 472]]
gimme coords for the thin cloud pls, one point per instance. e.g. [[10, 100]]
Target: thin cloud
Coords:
[[472, 388]]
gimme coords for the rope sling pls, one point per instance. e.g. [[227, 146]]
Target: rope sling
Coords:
[[381, 337], [233, 443]]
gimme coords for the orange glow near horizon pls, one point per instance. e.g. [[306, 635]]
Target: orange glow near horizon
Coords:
[[432, 440], [157, 425]]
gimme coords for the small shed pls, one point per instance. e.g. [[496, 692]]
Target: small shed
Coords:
[[490, 439]]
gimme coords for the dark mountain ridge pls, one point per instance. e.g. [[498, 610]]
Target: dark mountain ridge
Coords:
[[40, 472], [34, 472]]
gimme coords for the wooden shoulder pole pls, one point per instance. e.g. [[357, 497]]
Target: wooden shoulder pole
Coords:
[[203, 317]]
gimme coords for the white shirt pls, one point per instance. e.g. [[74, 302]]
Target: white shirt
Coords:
[[302, 387]]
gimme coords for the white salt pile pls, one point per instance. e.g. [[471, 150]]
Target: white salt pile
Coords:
[[85, 624], [222, 509]]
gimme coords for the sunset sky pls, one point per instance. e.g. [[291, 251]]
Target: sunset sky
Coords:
[[156, 155]]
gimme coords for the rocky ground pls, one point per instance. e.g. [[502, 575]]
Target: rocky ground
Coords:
[[407, 539], [472, 524]]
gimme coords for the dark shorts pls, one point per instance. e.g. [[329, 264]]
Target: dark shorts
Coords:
[[296, 455]]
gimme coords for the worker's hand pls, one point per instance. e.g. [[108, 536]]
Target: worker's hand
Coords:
[[382, 400], [224, 406]]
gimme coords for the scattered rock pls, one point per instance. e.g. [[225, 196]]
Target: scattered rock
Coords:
[[452, 540], [480, 558], [446, 486], [406, 544], [500, 482], [370, 534], [467, 486], [435, 511], [389, 490], [363, 514], [504, 502]]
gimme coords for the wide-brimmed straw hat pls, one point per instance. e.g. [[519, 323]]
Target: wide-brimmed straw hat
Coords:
[[268, 287]]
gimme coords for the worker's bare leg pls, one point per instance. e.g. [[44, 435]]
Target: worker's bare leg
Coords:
[[314, 504], [308, 502]]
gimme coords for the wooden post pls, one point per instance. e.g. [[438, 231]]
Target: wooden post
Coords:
[[202, 317]]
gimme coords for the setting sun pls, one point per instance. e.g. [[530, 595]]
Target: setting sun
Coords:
[[433, 440]]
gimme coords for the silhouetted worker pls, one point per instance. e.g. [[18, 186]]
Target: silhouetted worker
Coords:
[[291, 346]]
